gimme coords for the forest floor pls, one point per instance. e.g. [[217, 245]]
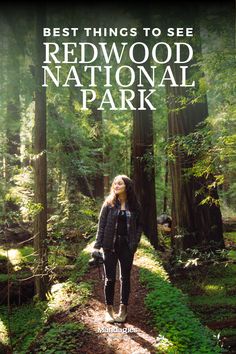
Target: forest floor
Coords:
[[136, 335], [211, 291]]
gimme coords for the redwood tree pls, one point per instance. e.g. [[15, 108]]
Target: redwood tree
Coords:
[[40, 164], [195, 224], [98, 179], [143, 157]]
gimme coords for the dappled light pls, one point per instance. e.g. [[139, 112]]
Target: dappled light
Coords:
[[117, 178], [4, 335], [14, 256], [120, 338]]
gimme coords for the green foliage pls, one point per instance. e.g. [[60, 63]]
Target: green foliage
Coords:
[[70, 138], [75, 141], [214, 313], [208, 280], [232, 254], [80, 216], [22, 319], [230, 236], [18, 257], [211, 289], [60, 338], [21, 193], [211, 156], [71, 292], [210, 149], [116, 140], [81, 264], [180, 330], [216, 300], [194, 256], [227, 332], [56, 256], [3, 256], [67, 295], [33, 321], [5, 277]]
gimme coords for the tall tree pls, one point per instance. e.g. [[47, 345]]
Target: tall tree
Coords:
[[194, 224], [98, 180], [143, 155], [40, 164], [13, 116]]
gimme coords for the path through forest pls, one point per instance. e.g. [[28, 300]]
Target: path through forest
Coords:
[[136, 336]]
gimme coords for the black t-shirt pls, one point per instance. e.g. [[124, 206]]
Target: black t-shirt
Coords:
[[122, 223]]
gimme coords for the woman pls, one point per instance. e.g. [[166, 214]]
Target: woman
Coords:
[[119, 232]]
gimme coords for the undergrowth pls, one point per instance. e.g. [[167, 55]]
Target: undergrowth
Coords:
[[180, 331], [32, 326]]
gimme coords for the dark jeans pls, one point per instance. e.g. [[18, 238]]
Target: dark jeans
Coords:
[[125, 257]]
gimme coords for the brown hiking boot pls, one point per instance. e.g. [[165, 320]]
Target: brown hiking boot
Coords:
[[122, 314], [109, 314]]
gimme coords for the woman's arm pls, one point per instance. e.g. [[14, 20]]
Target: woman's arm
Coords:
[[101, 226]]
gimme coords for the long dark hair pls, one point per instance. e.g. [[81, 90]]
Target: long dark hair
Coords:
[[132, 199]]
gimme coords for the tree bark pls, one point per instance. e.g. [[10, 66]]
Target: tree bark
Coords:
[[13, 119], [193, 225], [165, 198], [40, 165], [98, 179], [143, 161]]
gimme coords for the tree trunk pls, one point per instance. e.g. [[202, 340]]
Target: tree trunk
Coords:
[[40, 165], [193, 225], [13, 119], [143, 162], [98, 179], [165, 198]]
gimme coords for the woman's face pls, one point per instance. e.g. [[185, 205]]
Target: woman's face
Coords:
[[118, 186]]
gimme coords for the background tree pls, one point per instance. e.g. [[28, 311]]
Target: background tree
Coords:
[[195, 223], [40, 163], [143, 151]]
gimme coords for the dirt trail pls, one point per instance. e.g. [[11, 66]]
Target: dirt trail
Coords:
[[136, 336]]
